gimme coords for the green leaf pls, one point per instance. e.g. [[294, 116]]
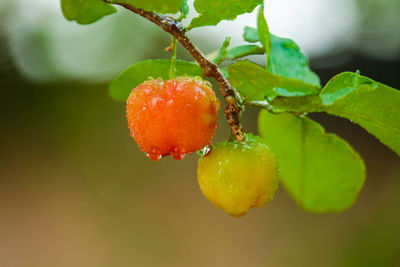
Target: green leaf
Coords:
[[85, 11], [265, 36], [212, 12], [372, 105], [122, 86], [254, 83], [244, 50], [185, 8], [287, 60], [251, 35], [285, 57], [222, 51], [321, 171], [160, 6]]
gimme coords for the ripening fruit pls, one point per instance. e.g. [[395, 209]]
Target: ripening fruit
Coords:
[[172, 117], [236, 176]]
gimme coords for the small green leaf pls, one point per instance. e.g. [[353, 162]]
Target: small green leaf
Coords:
[[185, 8], [160, 6], [244, 50], [372, 105], [285, 57], [254, 83], [212, 12], [251, 35], [321, 171], [86, 11], [122, 86], [287, 60], [263, 32], [222, 51]]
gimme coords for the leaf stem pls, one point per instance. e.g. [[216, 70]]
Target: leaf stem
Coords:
[[172, 69], [222, 51], [210, 69]]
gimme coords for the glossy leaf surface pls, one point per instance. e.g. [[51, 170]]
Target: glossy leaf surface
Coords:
[[212, 12], [321, 171], [86, 11], [254, 83], [372, 105], [159, 6]]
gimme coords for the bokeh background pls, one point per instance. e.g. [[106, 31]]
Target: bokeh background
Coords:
[[76, 191]]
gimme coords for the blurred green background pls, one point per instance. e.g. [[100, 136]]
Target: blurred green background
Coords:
[[76, 191]]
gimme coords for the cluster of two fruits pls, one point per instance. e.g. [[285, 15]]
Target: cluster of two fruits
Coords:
[[179, 116]]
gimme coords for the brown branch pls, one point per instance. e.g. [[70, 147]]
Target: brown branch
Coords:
[[210, 69]]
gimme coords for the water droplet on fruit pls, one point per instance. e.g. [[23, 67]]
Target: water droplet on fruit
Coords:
[[204, 151], [178, 156], [160, 116], [177, 153], [153, 157], [154, 154], [155, 101]]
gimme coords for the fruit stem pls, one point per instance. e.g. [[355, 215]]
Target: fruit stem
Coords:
[[210, 69], [172, 69]]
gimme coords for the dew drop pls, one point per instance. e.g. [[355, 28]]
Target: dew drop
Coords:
[[177, 153], [170, 102], [153, 157], [205, 151], [178, 156]]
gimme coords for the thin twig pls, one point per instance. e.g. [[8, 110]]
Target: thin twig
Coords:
[[172, 69], [210, 69]]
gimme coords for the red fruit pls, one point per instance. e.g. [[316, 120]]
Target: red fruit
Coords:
[[176, 116]]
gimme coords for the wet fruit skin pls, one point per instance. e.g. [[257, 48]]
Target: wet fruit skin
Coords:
[[237, 176], [172, 117]]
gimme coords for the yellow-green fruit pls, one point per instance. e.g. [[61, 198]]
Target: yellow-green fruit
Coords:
[[237, 176]]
